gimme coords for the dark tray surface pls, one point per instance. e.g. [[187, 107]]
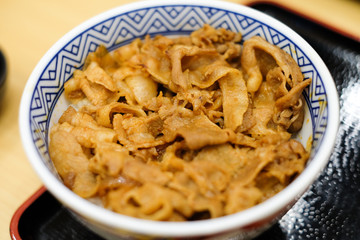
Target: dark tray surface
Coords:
[[330, 209]]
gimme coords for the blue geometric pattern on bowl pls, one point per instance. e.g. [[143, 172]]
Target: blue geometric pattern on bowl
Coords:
[[166, 20]]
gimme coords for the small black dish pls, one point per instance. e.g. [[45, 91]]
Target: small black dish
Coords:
[[3, 73]]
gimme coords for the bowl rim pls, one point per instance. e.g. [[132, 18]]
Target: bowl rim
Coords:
[[238, 220]]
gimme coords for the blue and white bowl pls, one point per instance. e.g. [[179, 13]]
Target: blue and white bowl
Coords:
[[43, 103]]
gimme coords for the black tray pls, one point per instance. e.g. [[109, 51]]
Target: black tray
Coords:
[[330, 209]]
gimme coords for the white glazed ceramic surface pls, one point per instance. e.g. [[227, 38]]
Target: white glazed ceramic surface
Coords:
[[43, 102]]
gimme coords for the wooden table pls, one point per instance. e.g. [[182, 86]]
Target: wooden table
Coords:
[[29, 28]]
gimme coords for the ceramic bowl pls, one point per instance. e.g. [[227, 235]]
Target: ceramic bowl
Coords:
[[43, 102]]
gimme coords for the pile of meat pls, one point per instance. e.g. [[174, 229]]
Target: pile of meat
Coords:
[[186, 128]]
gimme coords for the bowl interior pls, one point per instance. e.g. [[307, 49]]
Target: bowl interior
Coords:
[[120, 26], [47, 102]]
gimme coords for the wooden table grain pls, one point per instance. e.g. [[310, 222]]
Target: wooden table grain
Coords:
[[29, 28]]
